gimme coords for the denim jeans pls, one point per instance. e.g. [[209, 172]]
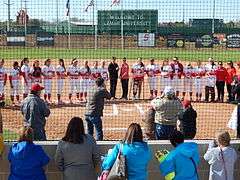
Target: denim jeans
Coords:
[[162, 132], [97, 122]]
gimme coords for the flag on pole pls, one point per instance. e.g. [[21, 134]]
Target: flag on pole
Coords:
[[68, 8], [115, 3], [89, 5]]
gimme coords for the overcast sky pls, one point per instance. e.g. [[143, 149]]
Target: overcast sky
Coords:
[[168, 10]]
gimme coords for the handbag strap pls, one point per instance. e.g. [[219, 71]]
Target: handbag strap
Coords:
[[120, 149], [195, 167], [224, 164]]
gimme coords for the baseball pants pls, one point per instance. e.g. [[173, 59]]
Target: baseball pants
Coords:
[[60, 85], [47, 86], [153, 82], [165, 82], [188, 85], [198, 83], [74, 86], [84, 85], [15, 89]]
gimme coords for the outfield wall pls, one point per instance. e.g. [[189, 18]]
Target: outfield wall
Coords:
[[54, 174]]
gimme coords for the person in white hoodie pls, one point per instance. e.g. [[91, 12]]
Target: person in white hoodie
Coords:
[[221, 157]]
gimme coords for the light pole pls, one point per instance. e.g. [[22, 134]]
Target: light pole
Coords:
[[9, 13], [25, 17], [213, 17]]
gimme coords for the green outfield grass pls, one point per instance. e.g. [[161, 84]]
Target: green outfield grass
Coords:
[[183, 54]]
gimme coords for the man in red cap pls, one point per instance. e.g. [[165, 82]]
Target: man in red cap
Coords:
[[35, 111]]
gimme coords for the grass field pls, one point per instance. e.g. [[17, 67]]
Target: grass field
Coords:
[[146, 53]]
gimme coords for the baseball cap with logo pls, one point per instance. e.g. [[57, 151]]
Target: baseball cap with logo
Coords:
[[36, 87]]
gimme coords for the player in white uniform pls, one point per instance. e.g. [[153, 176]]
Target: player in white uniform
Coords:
[[138, 72], [166, 75], [152, 71], [210, 80], [25, 72], [85, 73], [104, 72], [74, 75], [61, 75], [95, 73], [14, 78], [199, 73], [188, 81], [3, 79], [48, 74]]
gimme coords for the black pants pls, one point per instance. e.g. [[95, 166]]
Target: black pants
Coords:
[[209, 90], [220, 90], [113, 86], [124, 88], [230, 94]]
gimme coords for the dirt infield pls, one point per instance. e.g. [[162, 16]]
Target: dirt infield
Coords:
[[117, 114]]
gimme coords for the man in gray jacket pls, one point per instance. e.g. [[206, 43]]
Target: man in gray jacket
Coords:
[[35, 111], [167, 108], [95, 106]]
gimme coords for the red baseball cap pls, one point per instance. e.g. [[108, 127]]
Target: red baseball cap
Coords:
[[36, 87], [186, 103]]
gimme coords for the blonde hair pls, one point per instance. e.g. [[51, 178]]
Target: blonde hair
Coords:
[[223, 138]]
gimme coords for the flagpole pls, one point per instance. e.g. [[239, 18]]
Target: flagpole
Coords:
[[122, 38], [69, 28], [95, 24]]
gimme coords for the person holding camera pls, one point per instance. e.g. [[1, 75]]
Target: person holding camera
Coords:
[[221, 157], [94, 108]]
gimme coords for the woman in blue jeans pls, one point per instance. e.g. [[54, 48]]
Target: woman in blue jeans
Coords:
[[135, 150]]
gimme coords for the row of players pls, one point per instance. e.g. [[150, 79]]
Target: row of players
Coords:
[[81, 79]]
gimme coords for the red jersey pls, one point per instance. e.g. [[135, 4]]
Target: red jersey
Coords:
[[177, 69], [124, 71], [231, 72], [221, 74]]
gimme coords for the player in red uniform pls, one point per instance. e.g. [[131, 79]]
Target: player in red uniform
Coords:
[[124, 76], [221, 76], [231, 73]]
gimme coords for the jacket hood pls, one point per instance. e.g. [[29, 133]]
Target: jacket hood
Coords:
[[187, 149], [22, 149]]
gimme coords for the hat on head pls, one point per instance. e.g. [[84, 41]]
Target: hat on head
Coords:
[[36, 87], [169, 91], [186, 103]]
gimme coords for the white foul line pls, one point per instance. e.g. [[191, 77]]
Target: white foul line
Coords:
[[114, 111], [140, 108]]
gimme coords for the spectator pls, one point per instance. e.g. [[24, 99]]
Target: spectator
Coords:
[[95, 106], [181, 163], [35, 111], [221, 77], [1, 134], [187, 120], [231, 73], [221, 158], [124, 76], [149, 125], [167, 108], [135, 150], [27, 159], [234, 121], [77, 155], [113, 75]]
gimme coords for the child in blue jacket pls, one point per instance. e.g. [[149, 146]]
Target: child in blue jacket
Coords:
[[180, 163], [27, 159]]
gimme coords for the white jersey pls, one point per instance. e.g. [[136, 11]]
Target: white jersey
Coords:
[[95, 73], [25, 69], [84, 73], [73, 72], [199, 72], [3, 74], [60, 70], [138, 71], [48, 72], [104, 73], [166, 71], [188, 71], [152, 70], [14, 74], [210, 69]]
